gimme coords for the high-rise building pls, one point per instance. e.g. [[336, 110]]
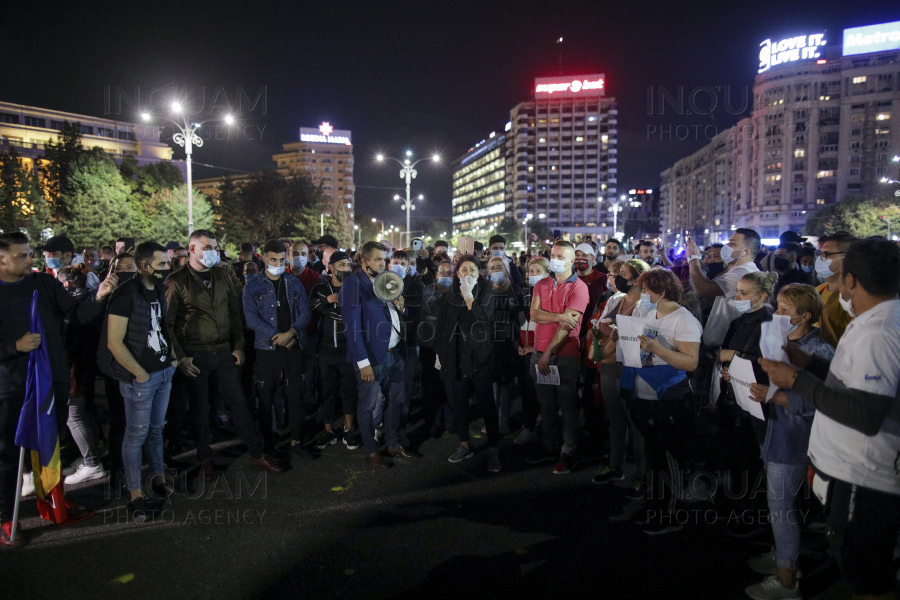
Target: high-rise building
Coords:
[[479, 185], [560, 161], [820, 130], [324, 154], [28, 129]]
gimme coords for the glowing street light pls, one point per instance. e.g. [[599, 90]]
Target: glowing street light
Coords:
[[407, 173]]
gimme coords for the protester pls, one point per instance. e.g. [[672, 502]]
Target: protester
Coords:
[[439, 408], [505, 319], [537, 269], [413, 292], [828, 267], [59, 251], [785, 262]]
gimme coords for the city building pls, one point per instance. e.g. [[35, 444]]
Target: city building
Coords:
[[323, 153], [822, 128], [28, 129], [560, 163]]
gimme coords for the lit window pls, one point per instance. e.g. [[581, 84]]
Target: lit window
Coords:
[[883, 117], [799, 153], [861, 79], [604, 138]]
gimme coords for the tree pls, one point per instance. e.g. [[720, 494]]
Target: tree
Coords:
[[166, 215], [370, 229], [338, 225], [510, 229], [438, 229], [97, 200], [57, 163], [22, 207], [861, 216], [152, 178]]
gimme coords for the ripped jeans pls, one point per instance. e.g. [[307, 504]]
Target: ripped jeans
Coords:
[[145, 415]]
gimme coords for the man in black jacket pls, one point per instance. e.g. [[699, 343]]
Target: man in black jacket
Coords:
[[338, 376], [17, 285]]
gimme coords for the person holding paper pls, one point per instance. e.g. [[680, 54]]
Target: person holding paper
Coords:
[[854, 442], [787, 439], [672, 343], [558, 306]]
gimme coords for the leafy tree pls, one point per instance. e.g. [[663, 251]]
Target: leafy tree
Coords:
[[21, 204], [152, 178], [230, 219], [57, 163], [338, 225], [166, 214], [97, 200], [861, 216]]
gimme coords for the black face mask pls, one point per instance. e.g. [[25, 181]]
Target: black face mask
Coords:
[[161, 274], [781, 264], [320, 254], [341, 275], [123, 277], [713, 269], [622, 284]]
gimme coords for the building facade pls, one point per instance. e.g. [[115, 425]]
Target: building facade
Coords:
[[822, 128], [28, 130], [479, 186]]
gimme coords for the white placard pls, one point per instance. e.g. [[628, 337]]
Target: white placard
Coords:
[[551, 379], [629, 330], [742, 377], [772, 341]]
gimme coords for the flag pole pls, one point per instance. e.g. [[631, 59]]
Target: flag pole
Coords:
[[18, 500]]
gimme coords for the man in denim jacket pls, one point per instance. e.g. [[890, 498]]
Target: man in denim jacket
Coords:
[[277, 310]]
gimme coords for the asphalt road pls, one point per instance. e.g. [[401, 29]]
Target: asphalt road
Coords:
[[337, 528]]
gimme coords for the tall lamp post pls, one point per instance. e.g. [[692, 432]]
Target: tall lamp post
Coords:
[[407, 173], [187, 138], [615, 207]]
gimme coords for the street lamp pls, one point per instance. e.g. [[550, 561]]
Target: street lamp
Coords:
[[407, 173], [187, 138], [358, 236], [615, 207]]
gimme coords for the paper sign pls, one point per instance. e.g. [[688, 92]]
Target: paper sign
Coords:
[[742, 377], [772, 341], [551, 379], [629, 330]]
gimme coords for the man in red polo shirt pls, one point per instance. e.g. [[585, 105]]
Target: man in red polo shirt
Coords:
[[557, 308]]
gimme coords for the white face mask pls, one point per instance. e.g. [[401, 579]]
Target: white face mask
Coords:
[[847, 304], [497, 253], [793, 327], [533, 279], [498, 277], [210, 258], [823, 267], [558, 266], [412, 269], [727, 254], [275, 271], [399, 270], [299, 262], [744, 306], [646, 302]]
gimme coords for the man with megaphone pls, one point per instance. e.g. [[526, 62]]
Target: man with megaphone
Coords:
[[372, 312]]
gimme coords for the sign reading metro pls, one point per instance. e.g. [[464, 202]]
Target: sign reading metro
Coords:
[[872, 38]]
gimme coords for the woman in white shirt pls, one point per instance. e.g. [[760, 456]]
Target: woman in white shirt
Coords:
[[670, 348]]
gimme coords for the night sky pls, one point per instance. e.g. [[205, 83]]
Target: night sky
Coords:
[[426, 76]]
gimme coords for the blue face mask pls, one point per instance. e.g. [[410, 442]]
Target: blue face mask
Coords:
[[299, 262], [498, 277], [399, 270], [807, 269], [412, 269], [445, 282], [53, 262], [646, 303], [533, 279]]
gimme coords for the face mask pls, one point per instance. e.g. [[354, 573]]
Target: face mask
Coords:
[[275, 271], [53, 263], [728, 254], [95, 264], [714, 269], [646, 303], [744, 306], [412, 269], [471, 281], [123, 277], [807, 269], [299, 262], [210, 258], [793, 327], [581, 264], [497, 253], [847, 305], [610, 285], [399, 270], [533, 279], [558, 266], [160, 274], [781, 264], [622, 284], [498, 277], [444, 282], [823, 267]]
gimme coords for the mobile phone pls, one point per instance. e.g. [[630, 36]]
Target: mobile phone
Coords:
[[556, 234], [416, 244], [129, 244], [587, 238]]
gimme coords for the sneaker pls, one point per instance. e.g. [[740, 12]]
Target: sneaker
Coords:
[[504, 426], [461, 454], [493, 460], [657, 527], [771, 588], [565, 465], [767, 564], [637, 491], [326, 440], [351, 440], [85, 473], [27, 484], [526, 436], [70, 470], [607, 474], [541, 455]]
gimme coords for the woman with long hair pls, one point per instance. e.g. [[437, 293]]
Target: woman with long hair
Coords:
[[507, 306]]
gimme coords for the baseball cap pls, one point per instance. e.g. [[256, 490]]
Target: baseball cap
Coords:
[[586, 248], [328, 240]]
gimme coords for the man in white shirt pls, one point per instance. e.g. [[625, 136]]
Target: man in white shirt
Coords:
[[738, 254], [855, 438]]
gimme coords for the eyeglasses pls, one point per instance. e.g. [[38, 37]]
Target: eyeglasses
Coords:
[[827, 255]]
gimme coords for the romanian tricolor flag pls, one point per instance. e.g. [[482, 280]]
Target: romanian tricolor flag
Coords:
[[37, 428]]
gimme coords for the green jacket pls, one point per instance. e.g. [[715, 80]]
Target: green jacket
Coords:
[[202, 319]]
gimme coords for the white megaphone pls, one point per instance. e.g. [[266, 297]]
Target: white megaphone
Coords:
[[388, 286]]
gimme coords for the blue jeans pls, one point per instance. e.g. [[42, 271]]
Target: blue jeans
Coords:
[[784, 483], [390, 379], [145, 415]]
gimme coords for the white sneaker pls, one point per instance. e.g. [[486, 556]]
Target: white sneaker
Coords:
[[85, 473], [27, 484], [767, 564], [525, 437], [71, 469], [771, 588]]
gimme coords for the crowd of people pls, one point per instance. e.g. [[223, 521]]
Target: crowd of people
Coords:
[[295, 338]]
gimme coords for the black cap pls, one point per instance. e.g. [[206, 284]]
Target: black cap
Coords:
[[791, 236], [58, 243], [328, 240], [173, 246], [337, 256]]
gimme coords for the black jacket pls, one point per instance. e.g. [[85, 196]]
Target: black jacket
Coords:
[[413, 300], [462, 337], [331, 328]]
